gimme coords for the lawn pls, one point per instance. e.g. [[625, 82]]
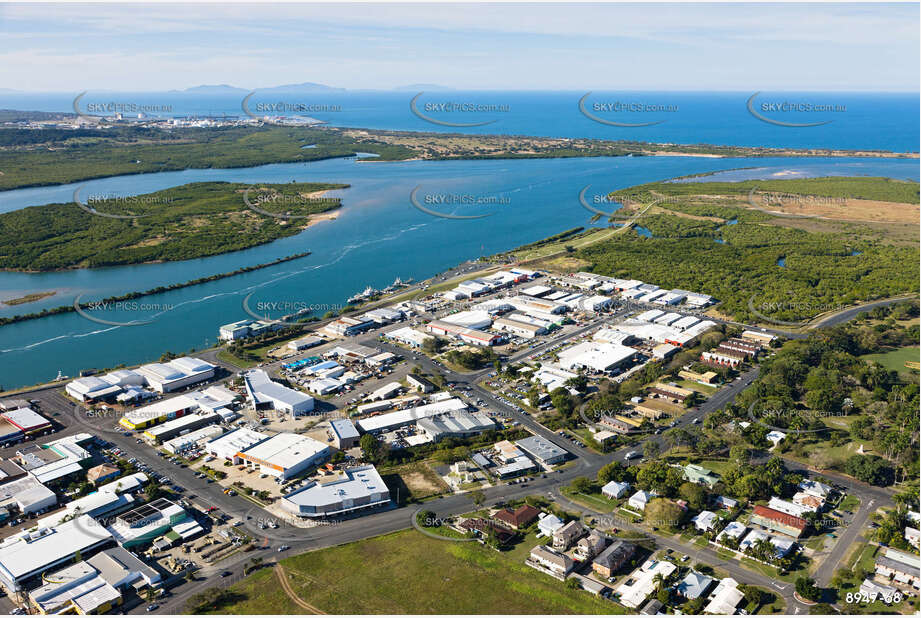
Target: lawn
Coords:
[[896, 359], [849, 503], [409, 573], [414, 481]]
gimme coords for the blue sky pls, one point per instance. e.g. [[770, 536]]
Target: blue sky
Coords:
[[737, 47]]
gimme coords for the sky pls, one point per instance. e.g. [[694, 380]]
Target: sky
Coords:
[[670, 47]]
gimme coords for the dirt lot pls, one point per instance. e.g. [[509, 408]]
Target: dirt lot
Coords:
[[845, 209]]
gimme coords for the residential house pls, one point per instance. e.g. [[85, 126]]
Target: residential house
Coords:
[[733, 530], [900, 567], [705, 520], [614, 490], [639, 500], [725, 502], [913, 536], [778, 521], [694, 585], [519, 518], [547, 524], [643, 582], [725, 598], [551, 562], [564, 537], [700, 475], [590, 546], [613, 558]]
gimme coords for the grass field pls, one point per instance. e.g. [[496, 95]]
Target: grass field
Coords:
[[409, 573], [896, 359]]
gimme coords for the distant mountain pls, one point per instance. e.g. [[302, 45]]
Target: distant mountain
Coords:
[[304, 87], [218, 89], [10, 91], [421, 87]]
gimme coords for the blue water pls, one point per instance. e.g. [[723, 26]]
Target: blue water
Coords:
[[782, 262], [870, 120], [378, 236]]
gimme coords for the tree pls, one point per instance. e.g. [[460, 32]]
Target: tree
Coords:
[[477, 496], [752, 594], [663, 513], [426, 518], [651, 449], [694, 494], [582, 485], [370, 447], [573, 584], [806, 588], [613, 471]]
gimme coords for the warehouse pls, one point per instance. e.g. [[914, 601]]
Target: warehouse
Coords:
[[192, 439], [493, 306], [383, 316], [612, 335], [667, 319], [159, 412], [596, 303], [358, 488], [674, 297], [323, 386], [535, 307], [650, 316], [56, 461], [537, 291], [231, 443], [27, 554], [304, 343], [264, 394], [177, 373], [519, 328], [10, 433], [685, 322], [408, 336], [469, 319], [457, 424], [284, 455], [343, 433], [542, 450], [600, 357], [178, 426], [92, 388], [651, 296], [347, 327], [27, 495], [145, 523], [394, 420]]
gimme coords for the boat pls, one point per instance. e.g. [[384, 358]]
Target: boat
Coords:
[[368, 293]]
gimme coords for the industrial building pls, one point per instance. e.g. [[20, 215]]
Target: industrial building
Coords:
[[265, 394], [178, 426], [456, 424], [348, 327], [394, 420], [519, 328], [284, 455], [358, 488], [192, 439], [28, 554], [26, 494], [541, 450], [232, 442], [28, 420], [145, 523], [246, 328], [304, 343], [158, 412], [56, 461], [177, 373], [343, 433], [408, 336], [596, 356]]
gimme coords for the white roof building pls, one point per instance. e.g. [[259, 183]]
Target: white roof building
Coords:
[[790, 508], [408, 336], [640, 585], [264, 393], [285, 454], [393, 420], [27, 554], [600, 357], [231, 443], [360, 487], [613, 489], [477, 320], [176, 374], [725, 598], [705, 520]]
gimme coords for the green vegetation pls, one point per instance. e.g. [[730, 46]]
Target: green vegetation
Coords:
[[157, 290], [181, 223], [867, 188], [895, 360], [410, 573]]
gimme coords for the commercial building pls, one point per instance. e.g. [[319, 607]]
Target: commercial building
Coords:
[[595, 356], [541, 450], [184, 424], [177, 373], [264, 394], [764, 339], [408, 336], [284, 455], [158, 412], [103, 388], [420, 384], [102, 473], [360, 487], [519, 327], [76, 589], [145, 523], [26, 494], [231, 443], [778, 521], [246, 328], [669, 391], [469, 319], [28, 420], [348, 327], [10, 433], [707, 377], [394, 420], [29, 553], [56, 461], [343, 433], [193, 439], [455, 424]]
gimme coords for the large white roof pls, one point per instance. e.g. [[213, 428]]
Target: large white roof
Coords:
[[402, 417], [357, 483], [285, 450], [29, 552]]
